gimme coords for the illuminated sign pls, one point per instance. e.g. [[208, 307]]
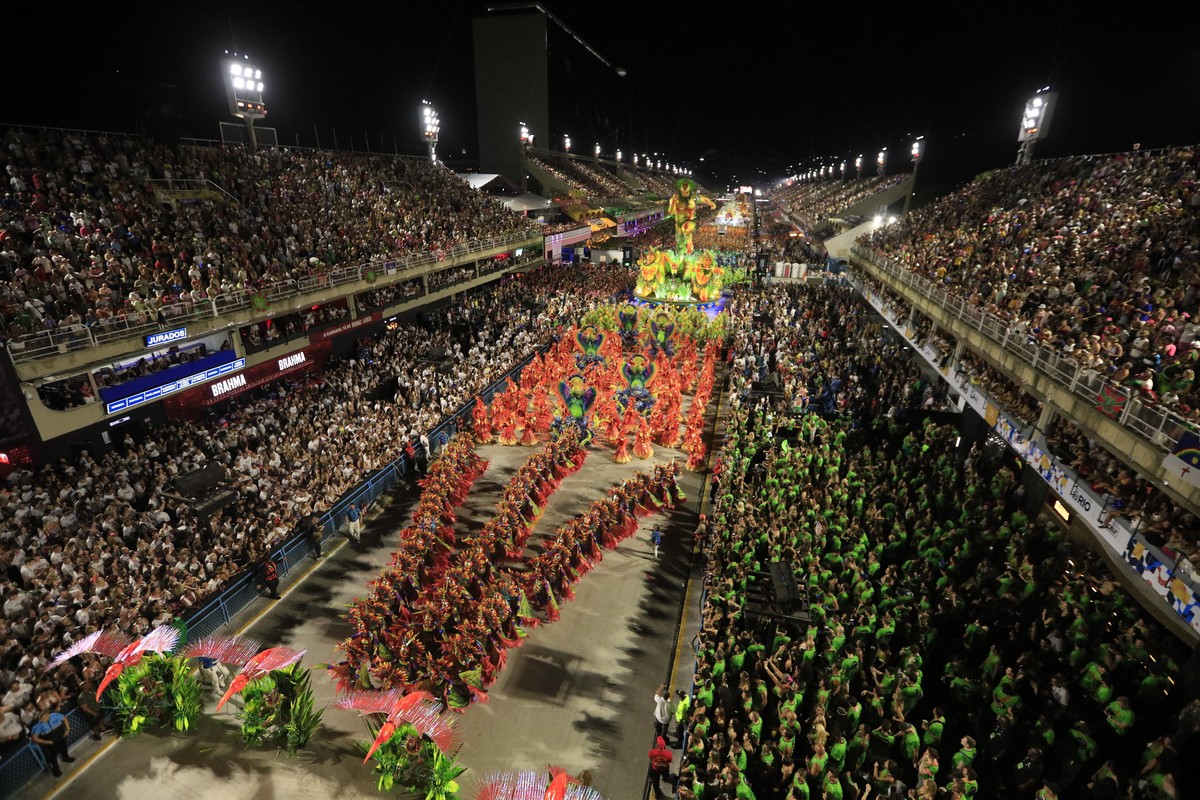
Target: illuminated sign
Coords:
[[1061, 510], [291, 361], [116, 422], [228, 385], [165, 337], [159, 392]]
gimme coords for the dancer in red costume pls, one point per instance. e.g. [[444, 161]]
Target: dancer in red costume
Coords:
[[641, 441], [622, 456], [481, 424]]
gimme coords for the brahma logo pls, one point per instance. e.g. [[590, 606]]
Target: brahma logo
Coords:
[[155, 339], [228, 385], [291, 361]]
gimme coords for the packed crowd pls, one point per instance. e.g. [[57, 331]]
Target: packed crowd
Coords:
[[389, 295], [817, 201], [93, 542], [1094, 258], [597, 182], [1142, 507], [284, 328], [838, 360], [952, 645], [1148, 511], [87, 242]]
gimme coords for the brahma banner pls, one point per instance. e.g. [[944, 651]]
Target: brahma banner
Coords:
[[191, 402]]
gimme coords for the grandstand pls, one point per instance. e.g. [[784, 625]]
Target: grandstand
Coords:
[[937, 534]]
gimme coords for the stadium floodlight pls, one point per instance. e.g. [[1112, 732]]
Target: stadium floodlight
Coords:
[[597, 149], [858, 165], [618, 155], [881, 161], [843, 169], [1035, 122], [635, 159], [244, 90], [566, 143], [526, 136], [431, 126]]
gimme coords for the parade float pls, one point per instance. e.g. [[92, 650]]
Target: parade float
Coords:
[[681, 275]]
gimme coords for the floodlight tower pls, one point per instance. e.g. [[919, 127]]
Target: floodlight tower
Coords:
[[858, 165], [244, 90], [618, 155], [881, 162], [431, 125], [597, 150], [526, 137], [1035, 122], [918, 151], [566, 143]]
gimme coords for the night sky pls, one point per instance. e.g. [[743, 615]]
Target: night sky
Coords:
[[757, 91]]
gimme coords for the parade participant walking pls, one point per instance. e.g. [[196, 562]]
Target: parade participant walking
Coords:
[[354, 522], [660, 764]]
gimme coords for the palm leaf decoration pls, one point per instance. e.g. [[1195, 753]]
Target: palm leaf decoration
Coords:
[[411, 762], [159, 688], [279, 707]]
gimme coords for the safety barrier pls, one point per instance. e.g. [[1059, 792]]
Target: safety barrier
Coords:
[[27, 762]]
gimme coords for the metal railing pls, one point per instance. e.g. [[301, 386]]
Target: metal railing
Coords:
[[1154, 423], [45, 344], [26, 762], [191, 186]]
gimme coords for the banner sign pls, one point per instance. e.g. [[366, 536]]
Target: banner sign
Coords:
[[1183, 462]]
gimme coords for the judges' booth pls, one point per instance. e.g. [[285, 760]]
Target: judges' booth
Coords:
[[294, 365]]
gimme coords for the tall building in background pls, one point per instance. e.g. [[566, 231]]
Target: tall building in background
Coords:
[[511, 88]]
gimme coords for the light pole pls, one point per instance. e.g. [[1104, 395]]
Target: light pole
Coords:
[[918, 150], [881, 162], [618, 155], [858, 165], [431, 125], [566, 143], [244, 90], [526, 136], [1035, 122], [597, 149]]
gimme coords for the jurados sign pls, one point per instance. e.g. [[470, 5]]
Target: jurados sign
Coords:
[[287, 362], [165, 337], [228, 385]]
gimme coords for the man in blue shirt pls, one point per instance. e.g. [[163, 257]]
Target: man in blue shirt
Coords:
[[50, 733], [354, 522]]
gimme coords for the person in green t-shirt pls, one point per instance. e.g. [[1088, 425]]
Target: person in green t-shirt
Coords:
[[933, 728], [1120, 715], [965, 756]]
